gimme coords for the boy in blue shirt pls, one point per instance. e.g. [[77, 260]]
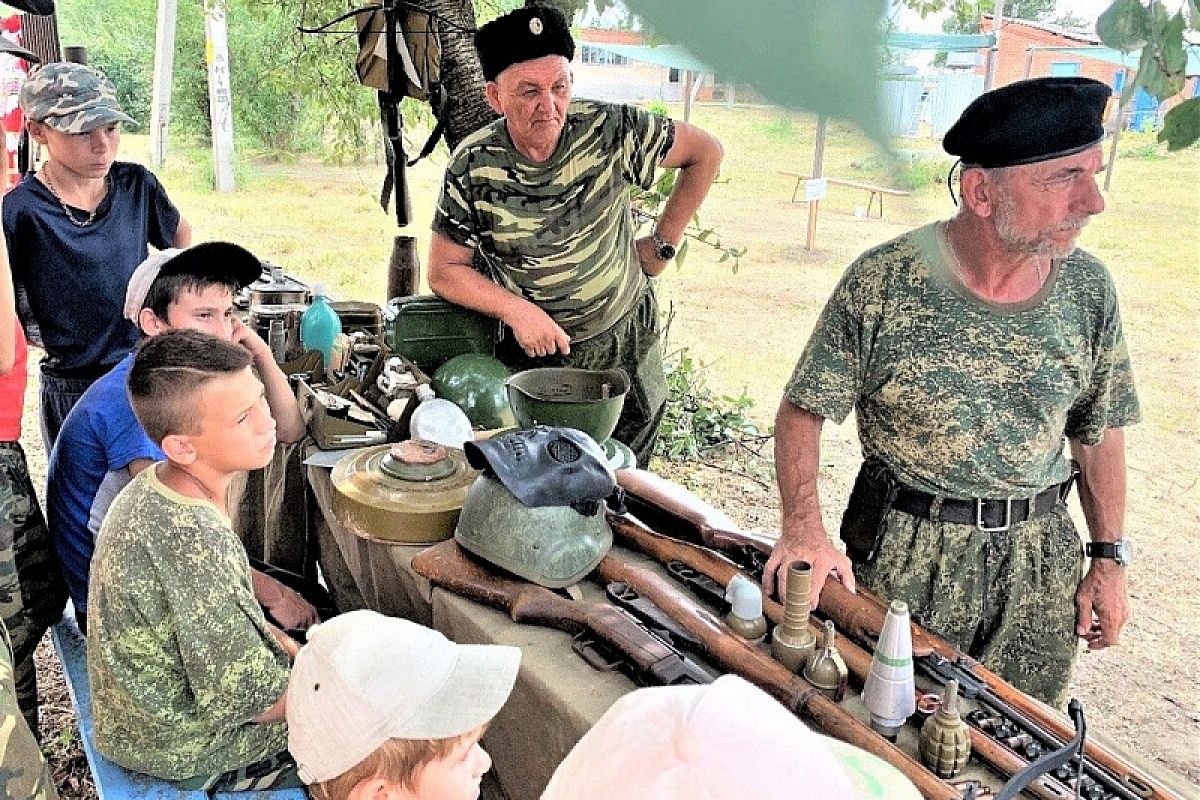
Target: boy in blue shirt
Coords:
[[102, 445]]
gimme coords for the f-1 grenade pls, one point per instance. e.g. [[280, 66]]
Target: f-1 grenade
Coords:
[[945, 740]]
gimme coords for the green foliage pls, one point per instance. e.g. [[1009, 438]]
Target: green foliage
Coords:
[[1128, 25], [911, 170], [1141, 145], [779, 127], [647, 203], [698, 423], [966, 14], [658, 107]]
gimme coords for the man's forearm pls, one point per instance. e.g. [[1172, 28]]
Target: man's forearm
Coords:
[[1102, 485], [797, 461]]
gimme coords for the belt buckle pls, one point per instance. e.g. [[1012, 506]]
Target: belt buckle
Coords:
[[979, 501]]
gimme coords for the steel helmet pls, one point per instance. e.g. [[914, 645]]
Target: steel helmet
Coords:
[[475, 383]]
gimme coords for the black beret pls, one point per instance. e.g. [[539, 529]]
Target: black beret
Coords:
[[1029, 121], [522, 35]]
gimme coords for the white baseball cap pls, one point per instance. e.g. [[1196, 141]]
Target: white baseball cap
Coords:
[[725, 741], [216, 260], [364, 678]]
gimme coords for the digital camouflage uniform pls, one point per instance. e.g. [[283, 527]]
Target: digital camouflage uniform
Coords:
[[179, 655], [32, 591], [963, 399], [23, 772], [561, 235]]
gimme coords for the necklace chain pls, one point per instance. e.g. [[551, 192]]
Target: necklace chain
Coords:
[[956, 266], [67, 209]]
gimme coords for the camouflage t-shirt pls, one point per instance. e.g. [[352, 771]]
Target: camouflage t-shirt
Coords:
[[559, 233], [961, 397], [179, 654]]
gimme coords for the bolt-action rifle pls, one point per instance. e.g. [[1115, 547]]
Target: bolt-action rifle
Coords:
[[645, 657], [859, 616]]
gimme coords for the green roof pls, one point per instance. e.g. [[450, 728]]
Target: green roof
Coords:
[[1129, 59], [664, 55]]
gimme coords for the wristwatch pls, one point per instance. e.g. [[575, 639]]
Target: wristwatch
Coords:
[[663, 249], [1120, 551]]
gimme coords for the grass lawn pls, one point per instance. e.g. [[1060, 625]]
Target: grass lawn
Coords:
[[323, 223]]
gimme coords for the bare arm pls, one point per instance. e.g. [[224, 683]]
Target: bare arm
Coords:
[[183, 234], [278, 710], [8, 311], [281, 399], [802, 535], [285, 604], [451, 276], [698, 156], [1102, 600]]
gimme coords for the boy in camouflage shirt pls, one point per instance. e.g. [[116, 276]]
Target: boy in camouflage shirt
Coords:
[[973, 351], [187, 675]]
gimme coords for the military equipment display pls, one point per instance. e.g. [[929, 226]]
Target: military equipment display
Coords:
[[889, 691], [406, 493], [859, 616], [945, 738], [652, 616], [825, 667], [645, 657], [734, 654], [553, 546], [745, 617], [584, 399], [792, 642], [475, 383]]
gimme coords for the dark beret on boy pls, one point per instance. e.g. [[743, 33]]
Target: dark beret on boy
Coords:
[[522, 35], [1029, 121]]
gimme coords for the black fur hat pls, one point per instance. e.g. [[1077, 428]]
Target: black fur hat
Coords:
[[522, 35], [1029, 121]]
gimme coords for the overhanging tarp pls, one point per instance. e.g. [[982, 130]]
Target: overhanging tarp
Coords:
[[664, 55], [1129, 59]]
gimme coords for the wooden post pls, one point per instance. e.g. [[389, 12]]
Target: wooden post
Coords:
[[404, 268], [818, 166], [220, 100], [687, 95], [989, 82], [1117, 123], [164, 70]]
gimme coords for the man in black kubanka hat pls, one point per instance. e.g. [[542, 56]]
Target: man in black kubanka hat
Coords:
[[534, 225], [984, 359]]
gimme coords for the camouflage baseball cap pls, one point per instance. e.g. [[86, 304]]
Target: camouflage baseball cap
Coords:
[[71, 98]]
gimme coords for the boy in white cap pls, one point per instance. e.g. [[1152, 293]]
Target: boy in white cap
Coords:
[[380, 708], [727, 740]]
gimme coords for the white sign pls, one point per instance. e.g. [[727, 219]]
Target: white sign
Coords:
[[815, 189]]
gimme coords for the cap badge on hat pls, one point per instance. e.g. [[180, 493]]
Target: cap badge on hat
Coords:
[[535, 26]]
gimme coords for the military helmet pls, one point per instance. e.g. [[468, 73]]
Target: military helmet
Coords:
[[475, 383], [553, 546]]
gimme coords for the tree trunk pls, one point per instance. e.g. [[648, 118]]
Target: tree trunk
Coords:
[[466, 109]]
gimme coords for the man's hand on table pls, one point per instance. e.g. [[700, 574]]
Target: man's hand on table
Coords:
[[813, 547], [536, 332]]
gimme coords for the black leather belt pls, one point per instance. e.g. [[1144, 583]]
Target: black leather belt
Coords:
[[984, 513]]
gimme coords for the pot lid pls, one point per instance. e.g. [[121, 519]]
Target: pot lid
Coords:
[[274, 280]]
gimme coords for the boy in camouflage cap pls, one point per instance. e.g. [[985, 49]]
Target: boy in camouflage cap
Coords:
[[83, 221], [980, 355]]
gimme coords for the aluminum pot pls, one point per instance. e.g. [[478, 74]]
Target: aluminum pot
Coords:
[[275, 288]]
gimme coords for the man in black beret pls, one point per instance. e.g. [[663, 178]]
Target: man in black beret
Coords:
[[534, 225], [974, 351]]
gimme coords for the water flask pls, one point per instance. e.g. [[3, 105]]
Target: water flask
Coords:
[[439, 420], [320, 325]]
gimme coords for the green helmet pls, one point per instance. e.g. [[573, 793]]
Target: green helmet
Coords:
[[475, 383], [553, 546]]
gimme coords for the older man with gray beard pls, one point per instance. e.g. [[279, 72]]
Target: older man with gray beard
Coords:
[[974, 351]]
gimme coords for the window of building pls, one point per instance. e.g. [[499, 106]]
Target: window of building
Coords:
[[1064, 69], [674, 76], [598, 55]]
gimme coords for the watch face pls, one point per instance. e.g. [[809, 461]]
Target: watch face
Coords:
[[666, 251], [1124, 552]]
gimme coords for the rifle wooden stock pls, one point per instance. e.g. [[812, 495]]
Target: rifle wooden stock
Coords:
[[448, 566], [663, 504], [859, 616], [735, 654]]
